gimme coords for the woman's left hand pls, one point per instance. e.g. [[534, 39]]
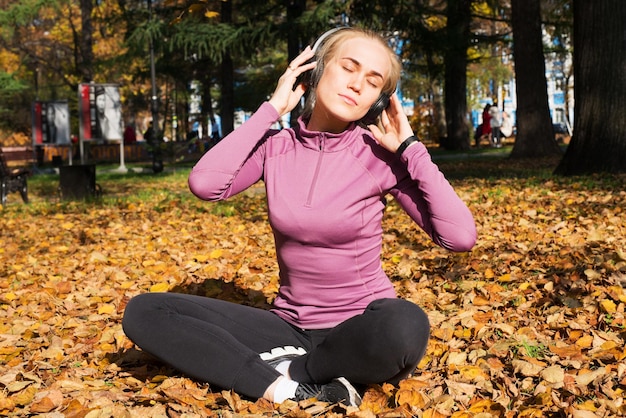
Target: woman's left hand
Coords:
[[395, 124]]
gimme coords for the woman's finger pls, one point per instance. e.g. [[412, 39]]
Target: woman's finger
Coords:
[[302, 58]]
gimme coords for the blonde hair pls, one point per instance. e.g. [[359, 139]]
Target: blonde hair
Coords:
[[327, 51]]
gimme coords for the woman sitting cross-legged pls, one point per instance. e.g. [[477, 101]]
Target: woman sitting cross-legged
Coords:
[[336, 323]]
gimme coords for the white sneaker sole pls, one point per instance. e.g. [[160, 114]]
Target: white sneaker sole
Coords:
[[286, 351]]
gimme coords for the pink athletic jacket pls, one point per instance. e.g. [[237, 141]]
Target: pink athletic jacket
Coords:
[[324, 194]]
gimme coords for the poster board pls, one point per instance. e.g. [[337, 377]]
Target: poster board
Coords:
[[100, 112], [100, 116], [51, 123]]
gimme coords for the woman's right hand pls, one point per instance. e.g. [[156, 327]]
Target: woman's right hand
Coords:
[[285, 97]]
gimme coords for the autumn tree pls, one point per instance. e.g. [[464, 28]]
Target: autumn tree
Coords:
[[50, 48], [599, 140], [31, 59], [84, 41], [457, 28], [535, 135], [421, 26]]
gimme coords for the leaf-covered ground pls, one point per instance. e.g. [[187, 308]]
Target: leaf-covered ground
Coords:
[[530, 323]]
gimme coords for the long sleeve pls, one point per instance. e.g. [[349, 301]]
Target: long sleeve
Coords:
[[236, 162], [432, 203]]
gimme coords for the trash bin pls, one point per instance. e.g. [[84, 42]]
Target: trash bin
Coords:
[[78, 181]]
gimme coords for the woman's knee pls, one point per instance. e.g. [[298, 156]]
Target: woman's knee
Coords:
[[139, 309], [138, 304], [407, 323]]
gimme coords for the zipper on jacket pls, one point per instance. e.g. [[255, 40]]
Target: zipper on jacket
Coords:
[[309, 199]]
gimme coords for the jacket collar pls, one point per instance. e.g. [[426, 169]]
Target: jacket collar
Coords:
[[330, 142]]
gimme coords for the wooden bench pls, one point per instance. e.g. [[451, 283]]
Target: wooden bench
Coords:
[[15, 163]]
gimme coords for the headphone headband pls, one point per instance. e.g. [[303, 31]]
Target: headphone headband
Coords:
[[326, 35]]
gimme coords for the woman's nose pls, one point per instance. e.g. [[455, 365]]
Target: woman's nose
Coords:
[[356, 82]]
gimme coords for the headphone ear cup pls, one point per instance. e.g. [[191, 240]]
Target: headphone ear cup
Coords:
[[376, 110], [305, 77], [311, 77]]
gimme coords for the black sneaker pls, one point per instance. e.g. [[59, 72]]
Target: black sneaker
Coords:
[[339, 390], [279, 354]]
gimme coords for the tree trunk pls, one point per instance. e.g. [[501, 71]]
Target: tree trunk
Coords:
[[456, 76], [535, 134], [207, 105], [295, 8], [86, 41], [599, 140], [228, 79]]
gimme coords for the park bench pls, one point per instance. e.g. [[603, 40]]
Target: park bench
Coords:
[[15, 163]]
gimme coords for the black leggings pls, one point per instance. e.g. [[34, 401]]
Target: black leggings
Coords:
[[219, 342]]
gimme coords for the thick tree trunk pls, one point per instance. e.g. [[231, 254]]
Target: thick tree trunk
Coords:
[[86, 41], [535, 135], [228, 79], [295, 8], [456, 76], [599, 140]]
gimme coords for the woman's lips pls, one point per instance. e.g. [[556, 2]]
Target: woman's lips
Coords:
[[348, 99]]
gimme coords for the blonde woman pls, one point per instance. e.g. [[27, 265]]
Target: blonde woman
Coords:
[[337, 324]]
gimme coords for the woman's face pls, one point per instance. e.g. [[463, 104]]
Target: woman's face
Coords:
[[351, 82], [101, 102]]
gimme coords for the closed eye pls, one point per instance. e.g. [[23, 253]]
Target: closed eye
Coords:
[[374, 82], [351, 65]]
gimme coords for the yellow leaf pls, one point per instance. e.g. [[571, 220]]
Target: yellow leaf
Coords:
[[505, 278], [608, 306], [443, 333], [10, 296], [464, 334], [585, 341], [107, 347], [472, 373], [531, 413], [25, 397], [483, 405], [489, 274], [159, 287], [216, 254], [411, 397], [6, 404], [434, 413], [67, 225], [588, 405], [608, 345], [544, 399], [106, 309]]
